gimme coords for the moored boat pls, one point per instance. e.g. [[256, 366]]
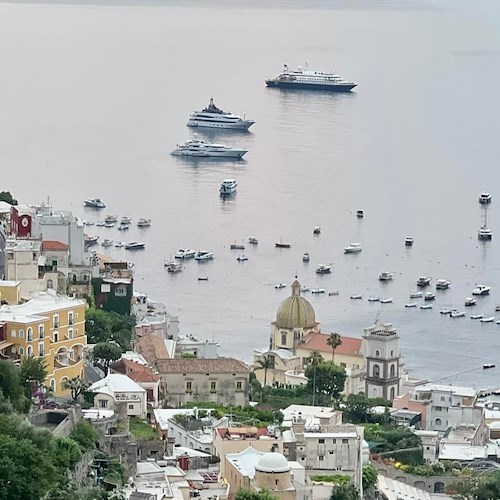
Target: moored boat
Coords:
[[280, 285], [424, 281], [426, 306], [317, 230], [386, 301], [360, 214], [457, 314], [184, 253], [484, 198], [228, 187], [135, 245], [201, 149], [324, 268], [481, 290], [356, 296], [429, 296], [306, 257], [214, 117], [442, 284], [385, 276], [253, 240], [280, 244], [94, 203], [470, 301], [411, 304], [416, 295], [408, 241], [489, 319], [143, 222], [318, 290], [477, 316], [203, 255], [241, 258], [489, 365], [353, 248]]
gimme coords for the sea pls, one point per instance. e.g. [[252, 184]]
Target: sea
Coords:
[[95, 95]]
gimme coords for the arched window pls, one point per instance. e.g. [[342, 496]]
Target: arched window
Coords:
[[438, 421], [283, 338], [392, 354], [29, 351], [30, 334], [376, 371], [53, 385], [392, 393], [377, 353], [21, 333], [50, 284], [21, 351], [393, 371], [13, 333]]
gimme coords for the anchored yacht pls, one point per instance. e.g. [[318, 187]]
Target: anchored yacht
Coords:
[[214, 117], [228, 187], [201, 149]]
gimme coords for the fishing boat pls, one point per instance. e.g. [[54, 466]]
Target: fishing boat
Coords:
[[318, 290]]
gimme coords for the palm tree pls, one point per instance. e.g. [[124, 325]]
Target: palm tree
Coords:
[[314, 360], [334, 340], [266, 363]]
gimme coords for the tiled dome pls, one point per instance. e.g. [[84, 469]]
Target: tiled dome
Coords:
[[295, 311]]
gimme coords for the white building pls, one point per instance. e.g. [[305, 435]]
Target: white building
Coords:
[[117, 388]]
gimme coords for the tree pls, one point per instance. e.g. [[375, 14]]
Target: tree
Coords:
[[266, 363], [103, 326], [344, 492], [334, 340], [326, 380], [254, 495], [67, 453], [10, 387], [104, 353], [484, 487], [33, 374], [85, 435], [369, 477], [357, 409], [313, 361], [76, 385], [7, 197]]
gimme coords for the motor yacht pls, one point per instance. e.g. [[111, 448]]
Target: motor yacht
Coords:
[[429, 296], [457, 314], [317, 230], [280, 285], [125, 220], [489, 365], [241, 258], [481, 290], [318, 290], [385, 276], [203, 255], [91, 240], [123, 227], [214, 117], [106, 243], [484, 234], [228, 187], [94, 203], [199, 148], [416, 295], [470, 301], [484, 198], [426, 306], [119, 244], [135, 245], [253, 240], [110, 218], [409, 241], [143, 222], [360, 214], [306, 257], [353, 248], [442, 284], [173, 267], [324, 268], [307, 79], [184, 253], [423, 281]]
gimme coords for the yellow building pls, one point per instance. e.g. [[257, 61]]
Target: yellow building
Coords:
[[10, 292], [48, 326]]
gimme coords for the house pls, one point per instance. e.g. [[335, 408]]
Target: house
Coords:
[[221, 380], [116, 388], [49, 326], [142, 375], [10, 291], [153, 349]]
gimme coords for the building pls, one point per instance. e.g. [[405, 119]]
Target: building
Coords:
[[116, 388], [325, 418], [222, 380], [22, 264], [10, 292], [48, 326], [142, 375], [256, 471], [154, 349]]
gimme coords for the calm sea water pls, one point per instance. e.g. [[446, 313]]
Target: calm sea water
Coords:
[[93, 98]]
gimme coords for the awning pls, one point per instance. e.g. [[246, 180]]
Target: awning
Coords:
[[5, 344]]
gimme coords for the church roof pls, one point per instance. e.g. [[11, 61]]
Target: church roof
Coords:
[[295, 311], [318, 342]]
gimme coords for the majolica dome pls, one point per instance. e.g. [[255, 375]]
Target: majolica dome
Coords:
[[295, 311], [272, 462]]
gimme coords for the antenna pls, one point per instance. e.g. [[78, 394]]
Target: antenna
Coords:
[[377, 317]]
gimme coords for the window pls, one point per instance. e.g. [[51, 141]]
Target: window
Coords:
[[438, 408], [377, 353], [56, 336], [376, 371], [53, 385], [239, 386], [321, 441], [345, 441], [21, 333], [70, 333], [392, 393], [130, 407], [76, 332], [343, 365], [393, 371], [121, 291], [13, 333], [29, 351], [30, 334], [213, 386], [189, 387], [56, 320], [334, 441], [442, 398], [70, 318], [321, 458], [40, 332], [283, 338], [41, 349], [21, 351], [103, 403], [438, 421], [50, 284]]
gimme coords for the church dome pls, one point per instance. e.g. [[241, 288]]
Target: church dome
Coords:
[[295, 311], [272, 462]]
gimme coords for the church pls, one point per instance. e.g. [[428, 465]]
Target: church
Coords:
[[372, 363]]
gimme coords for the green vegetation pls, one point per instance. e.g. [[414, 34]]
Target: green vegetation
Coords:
[[326, 381], [396, 442], [85, 435], [255, 495], [104, 354], [104, 326], [141, 429], [188, 355], [356, 410], [7, 197], [334, 478], [334, 340], [483, 487], [12, 393], [32, 374], [369, 477], [77, 386], [344, 492]]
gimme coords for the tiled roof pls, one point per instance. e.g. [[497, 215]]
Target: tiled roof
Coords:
[[318, 342], [54, 245], [137, 372], [217, 365], [152, 348]]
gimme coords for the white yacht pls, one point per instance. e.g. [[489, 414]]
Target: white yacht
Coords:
[[203, 255], [481, 290], [307, 79], [199, 148], [214, 117], [386, 301], [442, 284], [385, 276], [306, 257], [94, 203], [143, 222], [324, 268], [353, 248], [184, 253], [135, 245], [470, 301], [424, 281], [107, 243], [227, 187], [173, 267], [110, 218], [484, 198], [457, 314]]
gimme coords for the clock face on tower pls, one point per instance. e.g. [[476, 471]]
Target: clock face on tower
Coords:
[[24, 222]]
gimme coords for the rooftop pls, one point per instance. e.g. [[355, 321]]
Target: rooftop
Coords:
[[306, 412], [218, 365], [54, 245], [245, 461], [23, 245], [152, 348], [318, 342], [162, 416], [41, 303], [136, 371], [115, 383], [457, 390]]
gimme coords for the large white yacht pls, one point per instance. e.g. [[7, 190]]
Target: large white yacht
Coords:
[[199, 148], [214, 117], [310, 80]]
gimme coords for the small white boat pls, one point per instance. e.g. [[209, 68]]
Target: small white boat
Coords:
[[489, 365], [88, 223], [253, 240], [484, 233], [123, 227], [280, 285], [385, 276], [107, 243], [135, 245], [125, 220], [173, 267], [424, 281], [373, 299], [228, 187], [111, 218], [306, 257], [91, 240], [497, 308], [470, 301], [409, 241], [477, 316], [318, 290], [490, 319], [429, 296], [353, 248], [94, 203], [457, 314], [304, 288], [442, 284], [119, 244], [100, 223], [109, 224], [445, 311], [241, 258], [411, 304], [143, 222], [484, 198], [203, 255], [184, 253], [426, 306], [481, 290], [360, 214], [356, 296], [332, 294], [416, 295], [386, 301], [317, 230], [324, 269]]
